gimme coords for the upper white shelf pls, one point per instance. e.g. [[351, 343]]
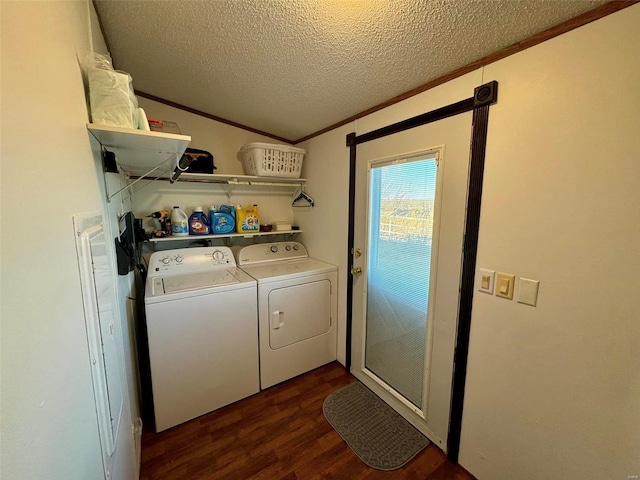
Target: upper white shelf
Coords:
[[138, 151], [240, 179]]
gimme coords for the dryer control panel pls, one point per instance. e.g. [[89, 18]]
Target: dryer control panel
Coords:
[[190, 260], [269, 252]]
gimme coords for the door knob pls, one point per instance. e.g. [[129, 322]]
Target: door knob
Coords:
[[356, 270]]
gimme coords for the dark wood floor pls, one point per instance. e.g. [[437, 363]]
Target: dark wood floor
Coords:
[[280, 433]]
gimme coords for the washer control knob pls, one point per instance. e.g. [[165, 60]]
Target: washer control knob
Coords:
[[179, 259], [218, 255], [296, 247], [288, 248], [274, 248], [165, 260]]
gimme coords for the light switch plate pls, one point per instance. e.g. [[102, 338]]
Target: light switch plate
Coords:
[[486, 280], [504, 285], [528, 291]]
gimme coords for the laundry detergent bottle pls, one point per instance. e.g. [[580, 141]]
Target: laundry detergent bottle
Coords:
[[221, 220], [229, 210], [247, 220], [179, 222], [198, 222], [212, 212]]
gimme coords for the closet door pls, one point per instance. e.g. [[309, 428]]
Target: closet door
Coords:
[[105, 356]]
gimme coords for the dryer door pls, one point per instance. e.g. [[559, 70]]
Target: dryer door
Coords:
[[299, 312]]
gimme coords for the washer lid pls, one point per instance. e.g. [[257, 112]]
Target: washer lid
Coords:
[[173, 287], [195, 281]]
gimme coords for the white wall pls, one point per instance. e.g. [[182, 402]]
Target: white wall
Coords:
[[97, 40], [553, 392], [48, 416], [325, 226]]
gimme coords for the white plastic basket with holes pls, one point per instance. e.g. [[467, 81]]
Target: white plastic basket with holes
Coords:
[[271, 160]]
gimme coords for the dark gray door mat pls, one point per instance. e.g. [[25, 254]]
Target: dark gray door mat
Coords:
[[379, 436]]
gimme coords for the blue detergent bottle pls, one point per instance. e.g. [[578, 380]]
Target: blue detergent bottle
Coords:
[[198, 222], [212, 213], [229, 210], [222, 221]]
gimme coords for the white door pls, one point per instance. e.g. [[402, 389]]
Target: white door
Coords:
[[411, 190], [103, 336]]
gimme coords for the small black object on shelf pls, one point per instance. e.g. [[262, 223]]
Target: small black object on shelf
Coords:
[[194, 161]]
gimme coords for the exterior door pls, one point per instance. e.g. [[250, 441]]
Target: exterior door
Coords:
[[410, 200]]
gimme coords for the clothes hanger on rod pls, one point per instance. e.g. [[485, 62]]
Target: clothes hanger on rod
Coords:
[[302, 200]]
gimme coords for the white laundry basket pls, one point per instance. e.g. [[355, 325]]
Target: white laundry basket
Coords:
[[272, 160]]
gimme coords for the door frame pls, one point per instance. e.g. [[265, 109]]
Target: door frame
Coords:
[[483, 97]]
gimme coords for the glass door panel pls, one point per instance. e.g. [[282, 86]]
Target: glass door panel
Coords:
[[401, 213]]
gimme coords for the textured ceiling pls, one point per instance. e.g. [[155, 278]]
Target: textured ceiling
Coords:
[[293, 67]]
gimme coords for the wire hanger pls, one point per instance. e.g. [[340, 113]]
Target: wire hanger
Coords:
[[302, 200]]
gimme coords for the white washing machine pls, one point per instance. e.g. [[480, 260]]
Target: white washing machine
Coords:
[[297, 308], [203, 333]]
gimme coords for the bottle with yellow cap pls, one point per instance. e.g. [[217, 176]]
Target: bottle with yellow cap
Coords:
[[247, 220]]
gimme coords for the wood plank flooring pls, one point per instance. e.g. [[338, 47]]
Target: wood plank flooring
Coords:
[[279, 433]]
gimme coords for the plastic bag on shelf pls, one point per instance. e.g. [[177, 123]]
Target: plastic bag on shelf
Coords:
[[111, 97]]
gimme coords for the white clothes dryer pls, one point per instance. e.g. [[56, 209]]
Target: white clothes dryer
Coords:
[[202, 330], [297, 308]]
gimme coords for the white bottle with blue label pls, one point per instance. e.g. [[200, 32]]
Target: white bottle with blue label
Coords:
[[179, 223]]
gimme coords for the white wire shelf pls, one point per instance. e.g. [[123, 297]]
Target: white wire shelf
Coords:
[[227, 235]]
